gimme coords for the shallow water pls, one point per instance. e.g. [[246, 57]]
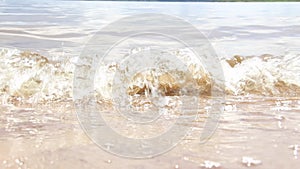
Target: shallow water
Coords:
[[49, 136], [40, 44]]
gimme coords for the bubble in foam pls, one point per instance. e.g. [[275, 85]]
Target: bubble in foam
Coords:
[[249, 161], [210, 164]]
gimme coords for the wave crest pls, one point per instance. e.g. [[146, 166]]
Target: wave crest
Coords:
[[28, 77]]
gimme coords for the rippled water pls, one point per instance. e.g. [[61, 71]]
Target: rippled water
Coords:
[[258, 46]]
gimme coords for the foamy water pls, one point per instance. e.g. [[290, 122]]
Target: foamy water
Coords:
[[258, 49], [29, 77]]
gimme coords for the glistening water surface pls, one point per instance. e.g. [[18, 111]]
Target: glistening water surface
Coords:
[[258, 47]]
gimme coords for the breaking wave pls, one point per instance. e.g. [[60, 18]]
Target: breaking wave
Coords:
[[28, 77]]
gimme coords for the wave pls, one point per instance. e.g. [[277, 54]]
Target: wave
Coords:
[[265, 75], [28, 77]]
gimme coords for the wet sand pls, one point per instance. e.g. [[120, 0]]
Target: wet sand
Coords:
[[49, 136]]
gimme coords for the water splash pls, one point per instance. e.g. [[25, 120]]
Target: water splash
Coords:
[[28, 77], [265, 75]]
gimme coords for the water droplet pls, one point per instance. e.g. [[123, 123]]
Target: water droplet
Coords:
[[108, 161], [230, 107], [19, 162], [210, 164], [249, 161], [31, 132], [279, 124], [280, 117], [4, 162], [295, 149], [186, 158], [108, 146], [176, 166]]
